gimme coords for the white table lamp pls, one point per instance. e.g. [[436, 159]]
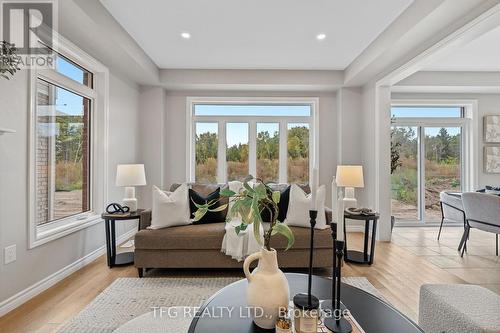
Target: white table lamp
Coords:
[[129, 176], [349, 177]]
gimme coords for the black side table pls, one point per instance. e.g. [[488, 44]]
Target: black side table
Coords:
[[357, 256], [117, 259]]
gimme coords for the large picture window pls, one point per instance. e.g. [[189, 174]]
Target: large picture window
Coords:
[[232, 139], [62, 153], [430, 145], [68, 141]]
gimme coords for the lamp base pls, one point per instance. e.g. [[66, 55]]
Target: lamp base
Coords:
[[349, 199], [130, 200], [130, 203], [338, 325]]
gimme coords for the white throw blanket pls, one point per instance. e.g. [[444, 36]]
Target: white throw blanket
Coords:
[[239, 246]]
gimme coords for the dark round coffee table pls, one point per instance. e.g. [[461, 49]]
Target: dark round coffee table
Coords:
[[373, 314]]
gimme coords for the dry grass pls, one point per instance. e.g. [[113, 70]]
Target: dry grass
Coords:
[[69, 176]]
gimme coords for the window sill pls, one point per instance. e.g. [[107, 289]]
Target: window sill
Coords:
[[56, 230]]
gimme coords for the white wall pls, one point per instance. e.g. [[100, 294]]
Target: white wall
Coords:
[[175, 131], [38, 263], [151, 139], [488, 104]]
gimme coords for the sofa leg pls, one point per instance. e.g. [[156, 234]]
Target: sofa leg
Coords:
[[140, 272]]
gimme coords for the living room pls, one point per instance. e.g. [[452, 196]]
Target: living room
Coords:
[[154, 153]]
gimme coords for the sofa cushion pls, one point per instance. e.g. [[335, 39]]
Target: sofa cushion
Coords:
[[209, 237], [322, 239], [199, 236]]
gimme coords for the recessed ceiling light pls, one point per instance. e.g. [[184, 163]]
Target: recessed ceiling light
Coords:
[[320, 36], [186, 35]]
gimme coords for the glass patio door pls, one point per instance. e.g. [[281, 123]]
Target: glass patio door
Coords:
[[429, 161], [442, 166]]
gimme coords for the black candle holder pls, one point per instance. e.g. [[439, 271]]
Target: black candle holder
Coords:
[[336, 322], [308, 302]]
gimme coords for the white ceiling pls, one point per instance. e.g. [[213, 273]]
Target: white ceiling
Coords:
[[255, 34], [481, 54]]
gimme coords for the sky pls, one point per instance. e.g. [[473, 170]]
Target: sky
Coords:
[[426, 112], [252, 110], [66, 101]]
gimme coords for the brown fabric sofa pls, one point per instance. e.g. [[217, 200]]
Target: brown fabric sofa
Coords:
[[199, 246]]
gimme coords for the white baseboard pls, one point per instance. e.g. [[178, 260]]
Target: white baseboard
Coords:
[[25, 295]]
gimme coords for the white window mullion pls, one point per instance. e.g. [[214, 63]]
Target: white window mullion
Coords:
[[221, 153], [421, 173], [283, 152], [252, 148]]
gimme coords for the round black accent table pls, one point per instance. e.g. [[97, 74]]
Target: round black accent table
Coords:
[[117, 259], [364, 257], [373, 314]]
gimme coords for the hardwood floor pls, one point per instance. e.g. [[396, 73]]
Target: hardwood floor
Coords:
[[401, 267]]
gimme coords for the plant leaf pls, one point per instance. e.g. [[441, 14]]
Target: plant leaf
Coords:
[[200, 206], [276, 197], [261, 191], [256, 231], [241, 227], [255, 210], [199, 214], [227, 193], [248, 188], [248, 178], [218, 209], [283, 229]]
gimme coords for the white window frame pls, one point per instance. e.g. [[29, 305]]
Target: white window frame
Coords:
[[192, 119], [468, 124], [98, 182]]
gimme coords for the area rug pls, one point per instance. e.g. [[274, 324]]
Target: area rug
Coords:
[[128, 298]]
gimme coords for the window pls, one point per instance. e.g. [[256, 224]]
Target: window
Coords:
[[427, 112], [298, 152], [206, 152], [237, 151], [68, 68], [68, 173], [62, 153], [430, 144], [270, 139], [268, 150]]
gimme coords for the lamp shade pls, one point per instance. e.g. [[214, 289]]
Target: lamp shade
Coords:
[[130, 175], [350, 176]]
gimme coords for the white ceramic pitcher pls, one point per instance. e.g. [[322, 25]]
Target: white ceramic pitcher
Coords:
[[268, 289]]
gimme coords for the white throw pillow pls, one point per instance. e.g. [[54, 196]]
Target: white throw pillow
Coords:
[[299, 205], [170, 208]]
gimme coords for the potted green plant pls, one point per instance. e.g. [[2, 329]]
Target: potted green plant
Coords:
[[268, 289], [9, 60]]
